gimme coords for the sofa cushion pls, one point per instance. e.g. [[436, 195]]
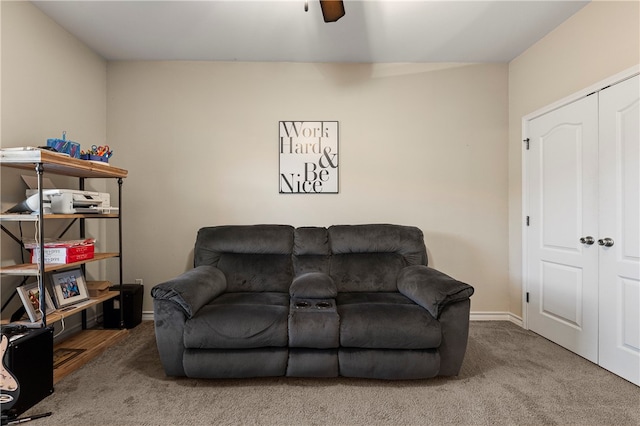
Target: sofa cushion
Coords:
[[239, 321], [312, 363], [407, 241], [311, 250], [213, 241], [311, 263], [230, 363], [267, 298], [256, 272], [389, 364], [252, 257], [385, 321], [311, 240], [366, 271], [373, 297]]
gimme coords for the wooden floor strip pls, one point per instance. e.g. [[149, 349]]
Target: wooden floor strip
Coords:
[[82, 348]]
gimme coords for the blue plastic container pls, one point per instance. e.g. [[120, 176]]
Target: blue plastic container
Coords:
[[65, 146]]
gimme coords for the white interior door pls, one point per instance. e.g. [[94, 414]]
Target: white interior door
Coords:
[[562, 271], [619, 348]]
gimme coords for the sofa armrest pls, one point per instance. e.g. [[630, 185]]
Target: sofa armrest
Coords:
[[193, 289], [431, 289], [313, 285]]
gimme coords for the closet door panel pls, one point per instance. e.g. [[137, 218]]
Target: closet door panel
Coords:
[[562, 271], [619, 220]]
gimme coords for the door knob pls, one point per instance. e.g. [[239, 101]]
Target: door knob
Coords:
[[606, 242], [588, 240]]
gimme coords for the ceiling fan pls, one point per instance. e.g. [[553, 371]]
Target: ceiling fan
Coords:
[[332, 10]]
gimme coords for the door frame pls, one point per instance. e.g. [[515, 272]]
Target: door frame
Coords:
[[609, 81]]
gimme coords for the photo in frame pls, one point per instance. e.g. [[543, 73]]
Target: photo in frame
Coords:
[[30, 296], [69, 287], [308, 153]]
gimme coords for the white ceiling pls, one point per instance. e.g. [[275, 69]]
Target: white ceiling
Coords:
[[281, 30]]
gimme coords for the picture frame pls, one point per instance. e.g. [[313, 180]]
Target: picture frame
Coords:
[[309, 157], [30, 296], [69, 287]]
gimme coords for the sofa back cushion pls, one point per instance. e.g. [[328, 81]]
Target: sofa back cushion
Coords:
[[254, 258], [369, 257], [311, 250], [258, 258]]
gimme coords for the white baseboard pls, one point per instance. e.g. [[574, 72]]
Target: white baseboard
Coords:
[[475, 316], [496, 316]]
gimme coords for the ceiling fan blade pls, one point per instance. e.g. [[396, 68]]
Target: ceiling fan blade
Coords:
[[332, 10]]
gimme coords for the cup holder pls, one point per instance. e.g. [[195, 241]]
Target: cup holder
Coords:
[[313, 305]]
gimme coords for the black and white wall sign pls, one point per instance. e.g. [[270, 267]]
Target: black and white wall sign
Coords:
[[308, 157]]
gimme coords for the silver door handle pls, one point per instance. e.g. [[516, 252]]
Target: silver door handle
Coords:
[[588, 240], [606, 242]]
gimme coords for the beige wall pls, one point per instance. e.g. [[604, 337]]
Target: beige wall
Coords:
[[423, 145], [420, 144], [50, 82], [599, 41]]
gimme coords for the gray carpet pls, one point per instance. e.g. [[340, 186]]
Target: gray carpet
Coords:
[[510, 377]]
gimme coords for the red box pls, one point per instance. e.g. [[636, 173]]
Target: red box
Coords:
[[64, 254]]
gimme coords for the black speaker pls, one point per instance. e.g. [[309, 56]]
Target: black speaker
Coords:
[[131, 309], [29, 358]]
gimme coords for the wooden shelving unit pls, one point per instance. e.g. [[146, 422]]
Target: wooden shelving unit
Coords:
[[87, 344]]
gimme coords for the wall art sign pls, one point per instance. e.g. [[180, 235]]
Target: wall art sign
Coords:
[[308, 157]]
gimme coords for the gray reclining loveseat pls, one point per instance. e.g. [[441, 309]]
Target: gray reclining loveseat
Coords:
[[348, 300]]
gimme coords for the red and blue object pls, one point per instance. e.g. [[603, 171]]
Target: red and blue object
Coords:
[[97, 153]]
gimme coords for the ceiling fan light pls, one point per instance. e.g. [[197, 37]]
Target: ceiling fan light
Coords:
[[332, 10]]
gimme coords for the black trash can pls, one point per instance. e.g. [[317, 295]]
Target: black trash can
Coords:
[[132, 306]]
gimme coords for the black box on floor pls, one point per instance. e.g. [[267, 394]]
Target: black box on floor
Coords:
[[29, 358], [132, 307]]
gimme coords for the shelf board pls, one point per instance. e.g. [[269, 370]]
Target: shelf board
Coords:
[[58, 164], [84, 346], [59, 314], [31, 269], [16, 217]]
